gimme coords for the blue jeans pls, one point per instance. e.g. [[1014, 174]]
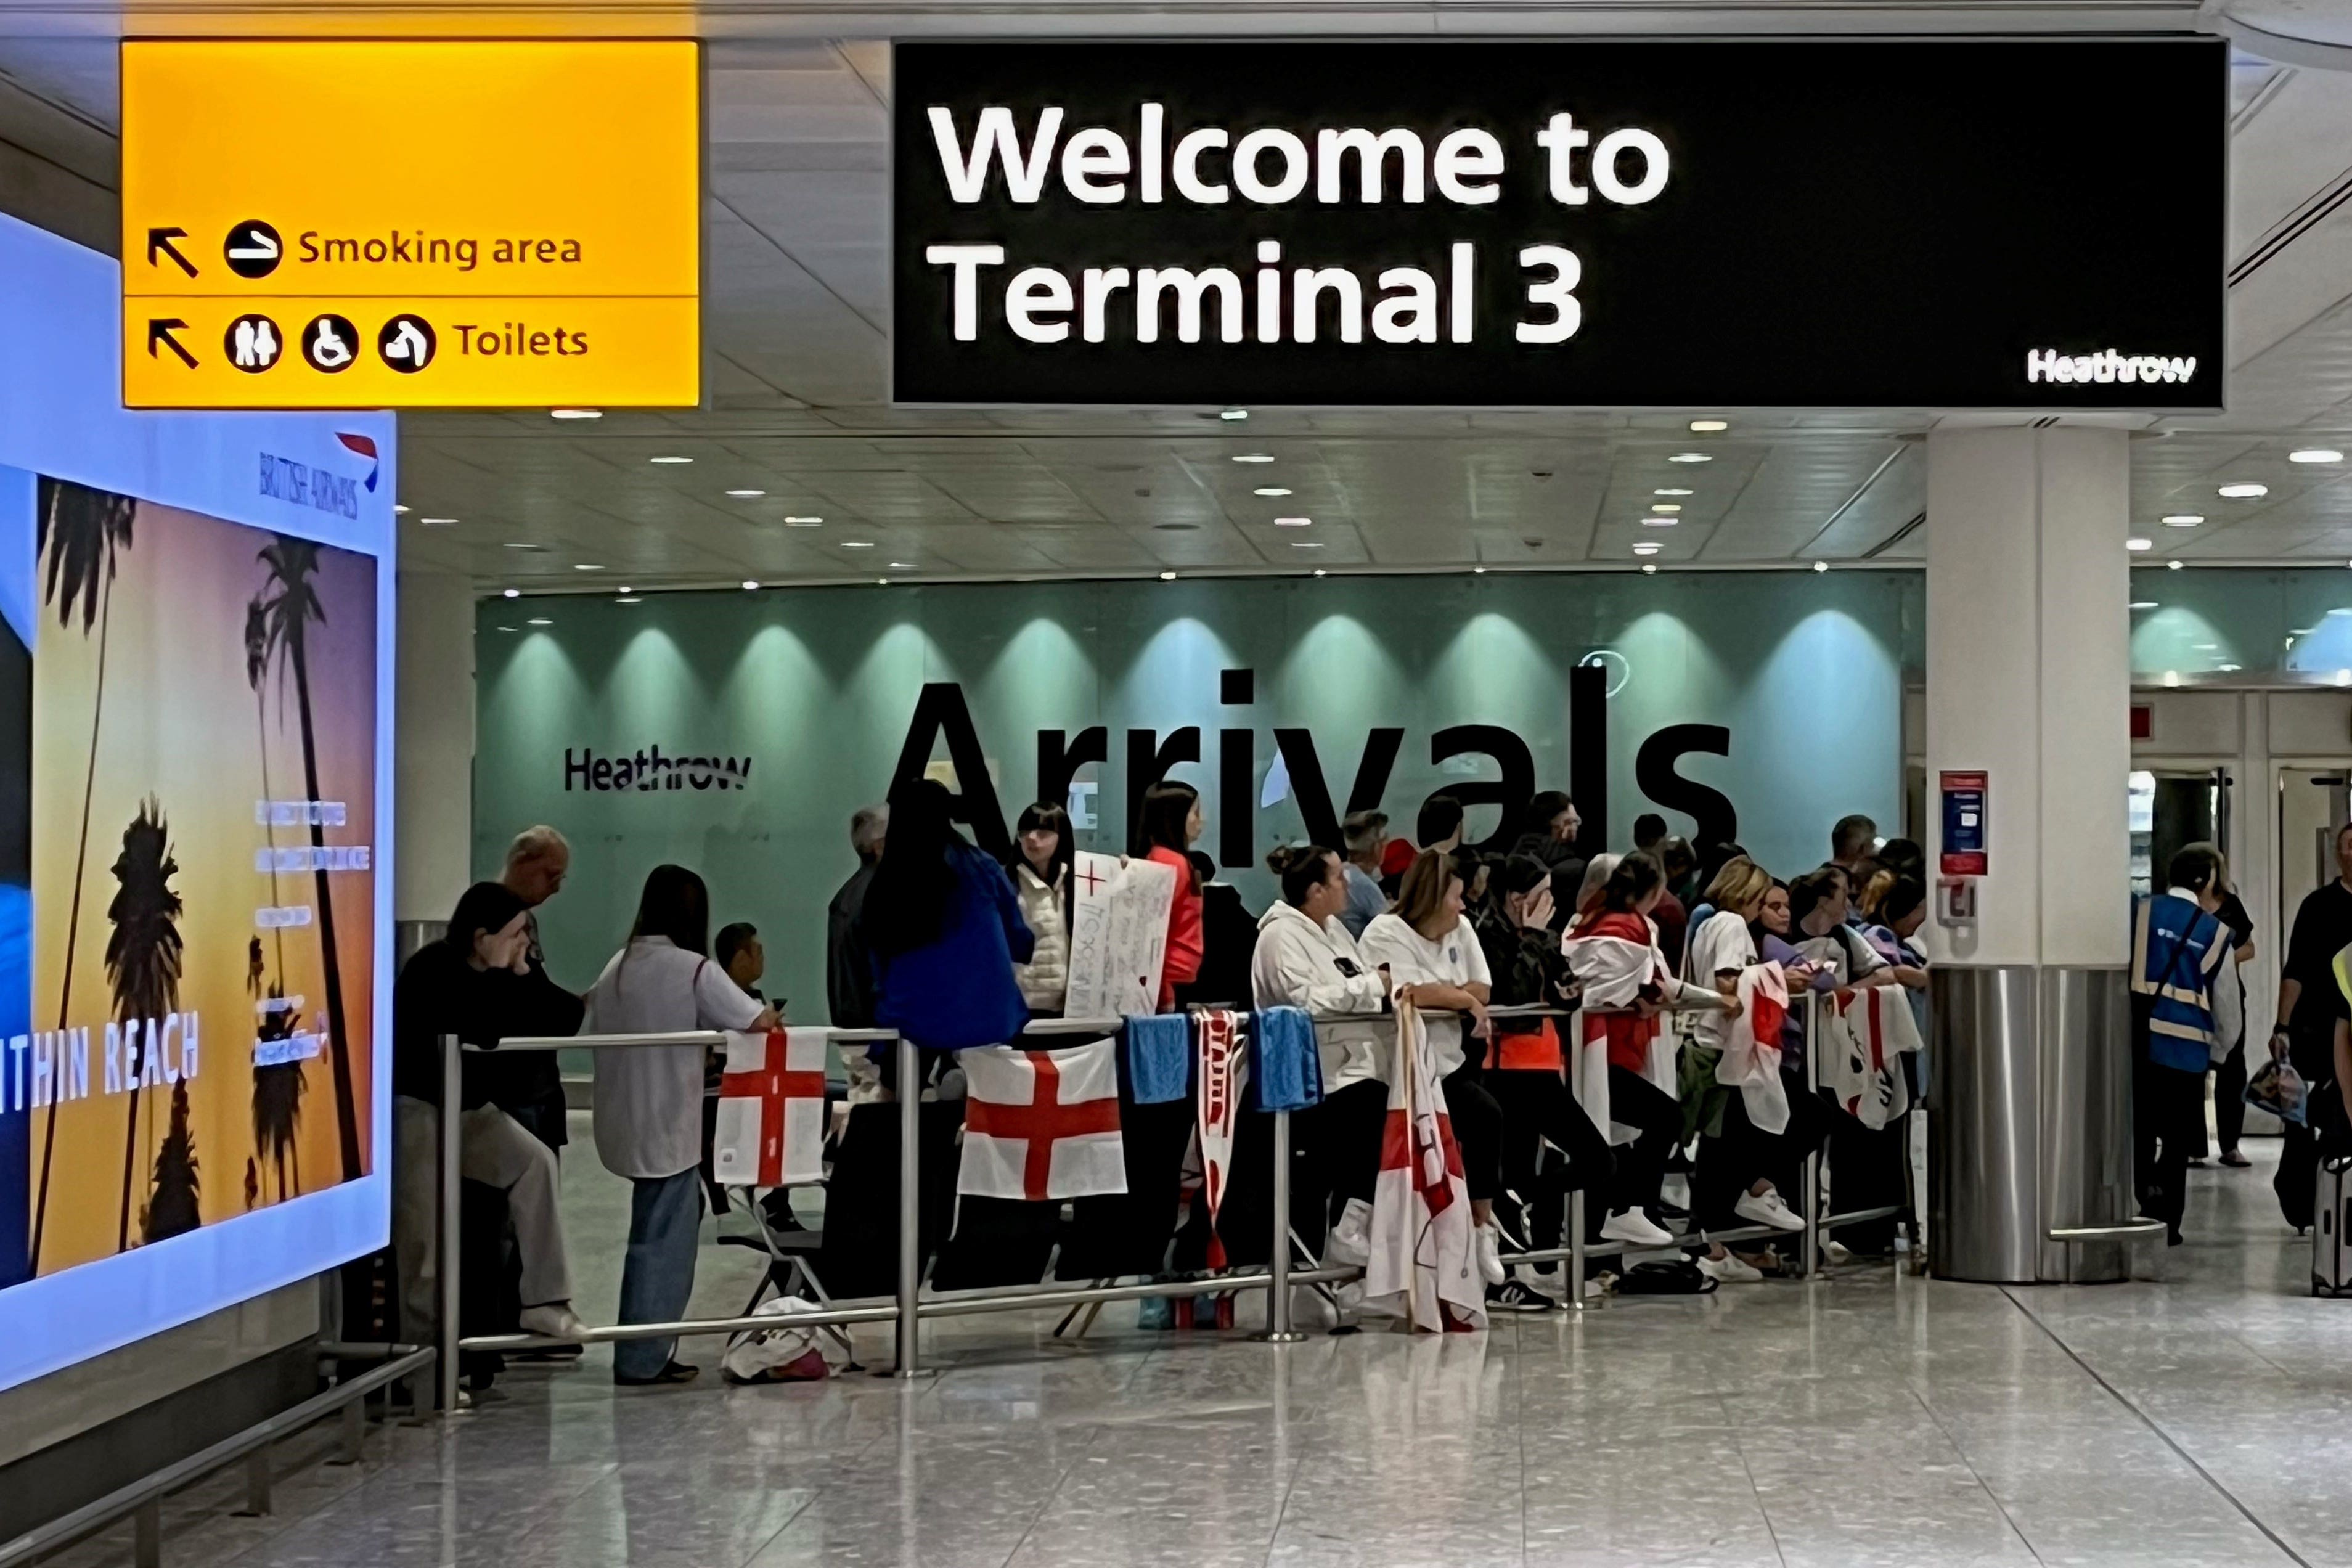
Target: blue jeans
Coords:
[[664, 1217]]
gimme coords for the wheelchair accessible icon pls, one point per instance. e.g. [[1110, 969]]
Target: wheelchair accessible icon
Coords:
[[330, 343]]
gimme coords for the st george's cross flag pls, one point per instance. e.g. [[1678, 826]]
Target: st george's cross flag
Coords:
[[1041, 1125], [1424, 1261], [1751, 1047], [1863, 1033], [771, 1124], [1224, 1070]]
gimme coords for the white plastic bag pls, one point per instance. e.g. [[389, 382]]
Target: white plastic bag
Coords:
[[786, 1354]]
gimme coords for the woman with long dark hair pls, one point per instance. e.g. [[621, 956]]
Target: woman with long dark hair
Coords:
[[1040, 868], [945, 929], [1165, 830], [649, 1101]]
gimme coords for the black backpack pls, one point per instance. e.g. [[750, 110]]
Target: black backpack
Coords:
[[1659, 1277]]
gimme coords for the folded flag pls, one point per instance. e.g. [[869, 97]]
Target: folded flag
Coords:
[[1865, 1032], [770, 1122], [1288, 1070], [1040, 1125], [1421, 1252], [1158, 1056], [1224, 1071], [1751, 1047]]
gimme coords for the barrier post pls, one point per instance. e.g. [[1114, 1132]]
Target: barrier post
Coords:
[[1811, 1195], [445, 1365], [1575, 1281], [910, 1208], [1280, 1329]]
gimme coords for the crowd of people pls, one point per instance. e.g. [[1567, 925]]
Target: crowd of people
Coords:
[[931, 937]]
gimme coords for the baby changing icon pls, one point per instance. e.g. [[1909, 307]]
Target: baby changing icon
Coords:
[[406, 343]]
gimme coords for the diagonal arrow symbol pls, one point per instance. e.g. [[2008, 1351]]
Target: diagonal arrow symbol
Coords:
[[160, 332], [159, 239]]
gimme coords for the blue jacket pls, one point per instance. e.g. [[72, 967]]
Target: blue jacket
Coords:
[[957, 990], [2176, 948]]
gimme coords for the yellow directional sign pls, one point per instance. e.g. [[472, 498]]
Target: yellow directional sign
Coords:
[[362, 223]]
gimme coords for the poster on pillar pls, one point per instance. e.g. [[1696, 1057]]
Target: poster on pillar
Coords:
[[1118, 934]]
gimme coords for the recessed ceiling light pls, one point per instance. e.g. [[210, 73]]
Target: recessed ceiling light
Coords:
[[1709, 426], [575, 413], [902, 566], [1665, 506], [1234, 413], [587, 566], [1306, 545], [2244, 492], [539, 621], [881, 582], [1168, 576], [803, 522], [1320, 572], [1660, 521], [2135, 545], [1254, 457], [628, 599], [1477, 571], [857, 545], [1294, 522], [523, 544], [1647, 549], [669, 460], [2145, 605], [2316, 455], [398, 510], [438, 521], [1671, 490], [2228, 669], [624, 588], [1271, 490], [750, 584], [747, 495], [1692, 457], [1821, 565], [512, 593], [1649, 569], [510, 628], [2184, 520], [2172, 565]]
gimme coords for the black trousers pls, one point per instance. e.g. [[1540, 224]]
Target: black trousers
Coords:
[[1538, 1108], [1744, 1154], [1477, 1131], [2230, 1097], [2166, 1106], [1870, 1168], [1641, 1164], [2312, 1054], [1339, 1145]]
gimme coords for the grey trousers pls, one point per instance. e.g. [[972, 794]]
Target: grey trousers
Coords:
[[493, 1149]]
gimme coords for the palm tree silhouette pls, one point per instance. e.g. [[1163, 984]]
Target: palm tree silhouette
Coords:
[[142, 959], [172, 1211], [80, 532], [286, 607], [257, 673], [278, 1090]]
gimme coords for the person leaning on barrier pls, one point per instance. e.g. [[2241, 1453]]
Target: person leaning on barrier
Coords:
[[2178, 945], [737, 948], [1228, 939], [1166, 829], [1871, 1164], [1042, 852], [537, 863], [476, 983], [944, 929], [1304, 958], [649, 1101], [1429, 951]]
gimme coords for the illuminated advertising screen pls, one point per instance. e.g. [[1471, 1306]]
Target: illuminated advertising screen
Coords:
[[195, 757]]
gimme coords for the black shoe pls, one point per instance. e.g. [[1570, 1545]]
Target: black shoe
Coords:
[[2173, 1238], [1662, 1211], [1512, 1296], [675, 1372], [550, 1354]]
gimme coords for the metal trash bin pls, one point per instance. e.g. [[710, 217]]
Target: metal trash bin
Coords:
[[2029, 1138]]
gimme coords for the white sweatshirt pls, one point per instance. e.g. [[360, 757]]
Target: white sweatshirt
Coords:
[[1298, 963]]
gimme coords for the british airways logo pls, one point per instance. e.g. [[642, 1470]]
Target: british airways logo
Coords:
[[364, 446], [299, 484]]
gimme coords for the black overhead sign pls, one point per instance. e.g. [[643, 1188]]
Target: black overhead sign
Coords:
[[1933, 223]]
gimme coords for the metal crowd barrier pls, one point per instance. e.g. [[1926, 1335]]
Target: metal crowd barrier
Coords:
[[909, 1306]]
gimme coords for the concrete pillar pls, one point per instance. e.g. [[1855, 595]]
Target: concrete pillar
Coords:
[[2029, 677], [434, 747]]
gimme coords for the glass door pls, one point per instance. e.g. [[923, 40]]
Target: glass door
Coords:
[[2170, 809]]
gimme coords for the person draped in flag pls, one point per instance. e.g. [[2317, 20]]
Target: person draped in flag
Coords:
[[1871, 1164], [1613, 950], [1431, 955], [1733, 1180], [1306, 959], [2178, 945]]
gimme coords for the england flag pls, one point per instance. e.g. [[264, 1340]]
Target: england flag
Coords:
[[1041, 1125], [1863, 1033], [1424, 1263], [771, 1128]]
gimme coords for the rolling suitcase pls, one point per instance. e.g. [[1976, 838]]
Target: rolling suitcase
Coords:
[[2331, 1255]]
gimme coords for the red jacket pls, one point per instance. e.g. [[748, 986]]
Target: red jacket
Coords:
[[1182, 965]]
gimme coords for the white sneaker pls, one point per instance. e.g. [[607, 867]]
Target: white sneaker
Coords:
[[554, 1322], [1768, 1209], [1489, 1243], [1634, 1226], [1728, 1270], [1349, 1245]]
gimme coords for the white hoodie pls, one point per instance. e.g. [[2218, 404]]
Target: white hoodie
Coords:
[[1298, 963]]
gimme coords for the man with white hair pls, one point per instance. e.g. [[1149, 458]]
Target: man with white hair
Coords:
[[848, 968], [537, 863]]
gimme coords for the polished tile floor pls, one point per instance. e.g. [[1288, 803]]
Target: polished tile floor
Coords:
[[2204, 1420]]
